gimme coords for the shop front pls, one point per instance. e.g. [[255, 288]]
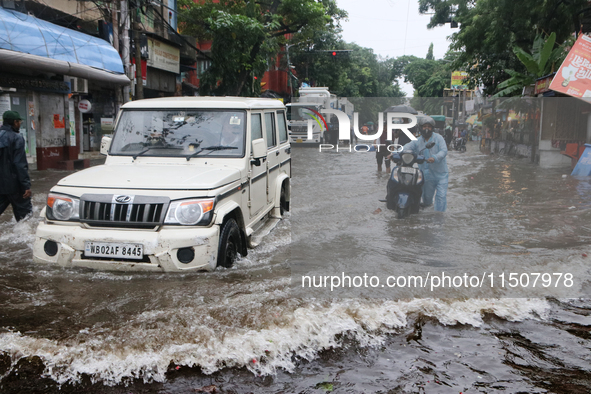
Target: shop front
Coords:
[[163, 70], [45, 72]]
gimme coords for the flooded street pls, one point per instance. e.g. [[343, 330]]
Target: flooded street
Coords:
[[255, 328]]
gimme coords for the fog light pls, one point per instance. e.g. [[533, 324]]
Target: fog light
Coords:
[[50, 248], [185, 255]]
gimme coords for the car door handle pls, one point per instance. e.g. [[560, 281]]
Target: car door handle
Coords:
[[277, 153], [288, 150]]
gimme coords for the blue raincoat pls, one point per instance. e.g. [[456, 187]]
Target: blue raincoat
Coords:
[[436, 174]]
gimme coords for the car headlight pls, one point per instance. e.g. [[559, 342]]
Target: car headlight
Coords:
[[190, 212], [62, 207]]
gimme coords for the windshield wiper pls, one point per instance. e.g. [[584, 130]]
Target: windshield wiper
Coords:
[[150, 148], [194, 154], [212, 149], [142, 152], [219, 147]]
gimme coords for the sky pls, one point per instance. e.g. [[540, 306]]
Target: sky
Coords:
[[393, 28]]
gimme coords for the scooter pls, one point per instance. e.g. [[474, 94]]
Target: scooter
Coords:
[[405, 185]]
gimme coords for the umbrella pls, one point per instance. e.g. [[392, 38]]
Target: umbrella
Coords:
[[369, 123], [402, 108]]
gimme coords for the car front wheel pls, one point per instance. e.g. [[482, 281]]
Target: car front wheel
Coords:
[[230, 244]]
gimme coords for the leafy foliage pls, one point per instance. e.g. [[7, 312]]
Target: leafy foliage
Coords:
[[490, 29], [537, 64], [246, 35], [358, 73], [430, 55]]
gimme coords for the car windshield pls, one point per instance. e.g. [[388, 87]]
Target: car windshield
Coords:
[[180, 133], [301, 112]]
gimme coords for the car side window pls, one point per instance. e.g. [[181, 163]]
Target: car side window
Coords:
[[282, 127], [270, 129], [256, 129]]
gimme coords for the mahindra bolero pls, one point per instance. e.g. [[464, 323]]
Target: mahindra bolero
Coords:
[[188, 184]]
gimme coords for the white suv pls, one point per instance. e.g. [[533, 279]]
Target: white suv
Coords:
[[188, 183]]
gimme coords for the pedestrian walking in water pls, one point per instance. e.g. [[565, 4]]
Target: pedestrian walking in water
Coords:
[[15, 184]]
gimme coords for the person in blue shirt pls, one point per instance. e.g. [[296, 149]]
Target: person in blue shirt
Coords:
[[434, 168]]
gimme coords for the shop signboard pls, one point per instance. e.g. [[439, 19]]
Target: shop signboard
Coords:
[[458, 79], [4, 103], [72, 122], [574, 75], [163, 56], [107, 124], [84, 106], [542, 85]]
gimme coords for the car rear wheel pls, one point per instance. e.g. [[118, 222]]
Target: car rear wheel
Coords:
[[283, 204]]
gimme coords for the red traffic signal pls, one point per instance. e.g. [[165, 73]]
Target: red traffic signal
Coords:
[[334, 53]]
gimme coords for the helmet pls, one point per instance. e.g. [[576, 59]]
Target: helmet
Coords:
[[423, 120]]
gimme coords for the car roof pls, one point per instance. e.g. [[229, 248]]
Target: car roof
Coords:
[[206, 102]]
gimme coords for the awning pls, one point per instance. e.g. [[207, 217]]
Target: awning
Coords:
[[28, 42]]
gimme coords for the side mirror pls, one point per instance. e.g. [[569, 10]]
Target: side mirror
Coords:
[[105, 144], [259, 151]]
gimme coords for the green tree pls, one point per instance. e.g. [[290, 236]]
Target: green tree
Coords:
[[537, 64], [489, 29], [246, 35], [429, 77], [430, 53], [358, 73]]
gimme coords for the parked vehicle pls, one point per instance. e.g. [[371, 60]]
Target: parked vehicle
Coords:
[[188, 184], [297, 117], [405, 185], [308, 107], [459, 144], [439, 124]]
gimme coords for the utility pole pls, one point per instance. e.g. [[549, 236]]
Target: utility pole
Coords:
[[289, 71], [124, 20], [139, 81], [115, 22]]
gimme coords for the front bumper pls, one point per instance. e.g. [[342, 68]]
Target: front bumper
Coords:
[[160, 247]]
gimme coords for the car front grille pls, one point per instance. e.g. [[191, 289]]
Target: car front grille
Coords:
[[103, 210], [299, 130]]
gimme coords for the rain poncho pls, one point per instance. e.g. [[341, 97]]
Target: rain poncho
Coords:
[[436, 174], [14, 170]]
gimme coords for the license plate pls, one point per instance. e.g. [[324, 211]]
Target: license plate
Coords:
[[299, 140], [114, 250], [407, 170]]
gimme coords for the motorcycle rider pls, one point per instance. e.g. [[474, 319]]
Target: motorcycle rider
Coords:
[[434, 168]]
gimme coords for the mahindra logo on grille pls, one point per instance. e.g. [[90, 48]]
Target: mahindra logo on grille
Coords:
[[123, 199]]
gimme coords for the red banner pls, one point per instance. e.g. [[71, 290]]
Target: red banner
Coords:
[[542, 85], [574, 76]]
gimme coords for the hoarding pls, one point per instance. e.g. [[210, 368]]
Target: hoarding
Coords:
[[574, 76], [458, 80]]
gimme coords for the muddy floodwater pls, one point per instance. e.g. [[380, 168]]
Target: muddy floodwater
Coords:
[[254, 329]]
